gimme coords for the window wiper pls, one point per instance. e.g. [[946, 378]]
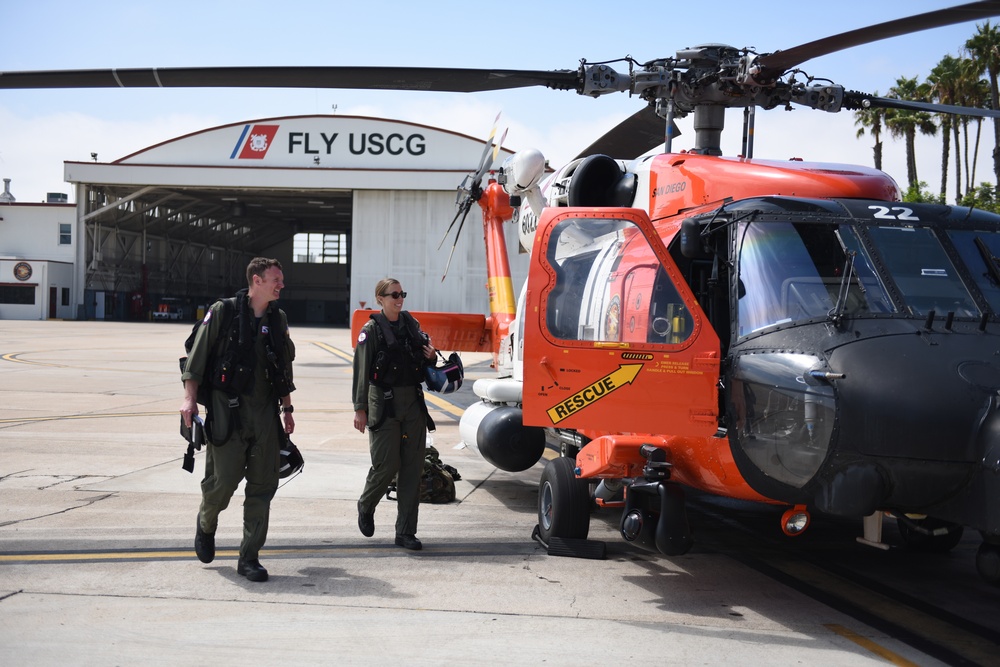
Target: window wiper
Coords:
[[992, 261], [837, 314]]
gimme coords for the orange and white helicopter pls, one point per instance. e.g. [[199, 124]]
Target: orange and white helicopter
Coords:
[[781, 332]]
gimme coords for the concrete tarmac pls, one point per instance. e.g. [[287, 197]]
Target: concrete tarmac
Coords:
[[97, 565]]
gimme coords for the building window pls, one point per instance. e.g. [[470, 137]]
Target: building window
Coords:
[[20, 295], [65, 296], [320, 249], [65, 233]]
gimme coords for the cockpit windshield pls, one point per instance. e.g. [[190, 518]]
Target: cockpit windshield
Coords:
[[791, 271], [926, 277], [980, 251], [796, 271]]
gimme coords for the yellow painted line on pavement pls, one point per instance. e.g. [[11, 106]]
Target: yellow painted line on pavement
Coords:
[[869, 645], [346, 550], [13, 357], [332, 350]]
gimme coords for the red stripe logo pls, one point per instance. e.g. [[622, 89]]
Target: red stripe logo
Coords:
[[257, 141]]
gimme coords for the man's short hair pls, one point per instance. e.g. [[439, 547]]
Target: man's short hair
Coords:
[[257, 267]]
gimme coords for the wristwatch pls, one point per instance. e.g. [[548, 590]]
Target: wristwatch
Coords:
[[288, 408]]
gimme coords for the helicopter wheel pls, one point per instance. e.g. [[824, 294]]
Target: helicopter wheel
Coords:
[[988, 562], [929, 535], [563, 502]]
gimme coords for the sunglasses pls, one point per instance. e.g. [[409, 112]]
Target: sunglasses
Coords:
[[395, 295]]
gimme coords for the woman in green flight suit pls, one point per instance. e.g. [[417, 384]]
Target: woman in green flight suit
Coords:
[[388, 367]]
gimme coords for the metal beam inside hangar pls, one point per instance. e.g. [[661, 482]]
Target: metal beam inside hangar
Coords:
[[181, 219], [180, 224]]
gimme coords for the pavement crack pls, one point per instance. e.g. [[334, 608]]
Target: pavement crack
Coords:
[[88, 503]]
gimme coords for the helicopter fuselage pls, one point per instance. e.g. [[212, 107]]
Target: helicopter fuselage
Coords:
[[820, 344]]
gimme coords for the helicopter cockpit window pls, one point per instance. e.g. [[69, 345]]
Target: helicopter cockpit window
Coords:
[[799, 271], [611, 287], [923, 272], [980, 250]]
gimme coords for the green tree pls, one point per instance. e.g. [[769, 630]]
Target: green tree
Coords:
[[872, 118], [945, 82], [983, 197], [984, 49], [905, 124], [919, 194]]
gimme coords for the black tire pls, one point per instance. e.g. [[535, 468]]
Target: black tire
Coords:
[[988, 563], [563, 502], [915, 537]]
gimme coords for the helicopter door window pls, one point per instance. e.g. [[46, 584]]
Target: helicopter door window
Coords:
[[923, 272], [610, 286]]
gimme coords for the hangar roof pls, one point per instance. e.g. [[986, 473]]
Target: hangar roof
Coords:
[[255, 183]]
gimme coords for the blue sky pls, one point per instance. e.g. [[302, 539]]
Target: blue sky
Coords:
[[41, 129]]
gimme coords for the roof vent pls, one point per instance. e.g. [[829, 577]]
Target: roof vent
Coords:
[[6, 197]]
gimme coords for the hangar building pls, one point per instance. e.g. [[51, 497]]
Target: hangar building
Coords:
[[340, 201]]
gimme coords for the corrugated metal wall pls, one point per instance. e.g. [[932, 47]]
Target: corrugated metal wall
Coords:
[[396, 233]]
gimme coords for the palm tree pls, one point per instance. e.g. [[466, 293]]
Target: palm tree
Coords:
[[903, 123], [976, 94], [944, 82], [872, 118], [984, 48]]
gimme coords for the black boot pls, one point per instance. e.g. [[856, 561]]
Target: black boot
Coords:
[[204, 544], [251, 569]]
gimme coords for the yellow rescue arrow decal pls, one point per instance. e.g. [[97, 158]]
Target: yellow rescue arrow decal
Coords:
[[625, 374]]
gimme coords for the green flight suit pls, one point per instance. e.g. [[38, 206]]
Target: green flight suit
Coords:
[[253, 450], [399, 443]]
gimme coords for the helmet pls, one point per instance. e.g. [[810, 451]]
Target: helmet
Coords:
[[291, 459], [447, 376]]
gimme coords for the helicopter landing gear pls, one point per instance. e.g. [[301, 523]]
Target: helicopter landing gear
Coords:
[[988, 562], [929, 535], [655, 517], [563, 502]]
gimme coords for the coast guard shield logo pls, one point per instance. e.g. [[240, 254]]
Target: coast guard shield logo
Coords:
[[254, 142]]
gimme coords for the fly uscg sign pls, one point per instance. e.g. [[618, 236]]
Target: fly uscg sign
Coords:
[[256, 141], [347, 142]]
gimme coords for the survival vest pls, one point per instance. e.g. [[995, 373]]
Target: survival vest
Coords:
[[397, 364], [230, 365], [226, 319]]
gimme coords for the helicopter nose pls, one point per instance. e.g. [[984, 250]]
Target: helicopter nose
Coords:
[[918, 415]]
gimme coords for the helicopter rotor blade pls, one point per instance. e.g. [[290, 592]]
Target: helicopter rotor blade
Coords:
[[486, 149], [860, 100], [635, 135], [464, 206], [774, 64], [363, 78], [497, 147], [454, 245]]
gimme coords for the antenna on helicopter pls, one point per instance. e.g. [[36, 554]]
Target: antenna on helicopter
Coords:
[[470, 190]]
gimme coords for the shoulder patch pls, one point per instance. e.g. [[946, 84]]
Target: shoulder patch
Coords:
[[362, 337], [208, 316]]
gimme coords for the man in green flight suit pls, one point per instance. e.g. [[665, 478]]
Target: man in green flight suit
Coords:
[[249, 367]]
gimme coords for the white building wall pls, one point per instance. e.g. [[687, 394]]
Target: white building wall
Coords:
[[396, 233], [32, 231], [29, 235]]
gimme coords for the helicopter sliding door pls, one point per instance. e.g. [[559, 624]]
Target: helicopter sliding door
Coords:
[[614, 339]]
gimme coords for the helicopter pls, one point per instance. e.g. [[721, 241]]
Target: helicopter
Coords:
[[782, 332]]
